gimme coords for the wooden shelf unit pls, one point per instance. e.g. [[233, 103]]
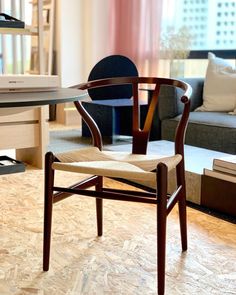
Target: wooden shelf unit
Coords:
[[43, 15], [28, 129], [28, 30]]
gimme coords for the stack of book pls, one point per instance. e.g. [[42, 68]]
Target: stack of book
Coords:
[[223, 168]]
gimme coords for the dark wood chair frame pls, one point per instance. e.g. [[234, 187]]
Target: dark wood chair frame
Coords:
[[160, 197]]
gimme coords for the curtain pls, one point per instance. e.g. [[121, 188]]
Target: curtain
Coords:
[[135, 27], [103, 27], [92, 34]]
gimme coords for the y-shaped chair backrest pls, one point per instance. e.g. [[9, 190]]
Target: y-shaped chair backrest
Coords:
[[140, 135]]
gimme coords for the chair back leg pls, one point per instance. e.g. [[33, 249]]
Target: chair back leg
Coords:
[[182, 206]]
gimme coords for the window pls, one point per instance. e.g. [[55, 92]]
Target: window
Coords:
[[200, 27], [214, 18]]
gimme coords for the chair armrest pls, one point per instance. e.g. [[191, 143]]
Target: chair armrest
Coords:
[[197, 91], [95, 132]]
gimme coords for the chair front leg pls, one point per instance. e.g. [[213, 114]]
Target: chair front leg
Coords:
[[162, 174], [99, 207], [48, 204], [182, 206]]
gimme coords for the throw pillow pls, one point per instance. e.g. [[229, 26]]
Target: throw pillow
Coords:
[[233, 113], [219, 92]]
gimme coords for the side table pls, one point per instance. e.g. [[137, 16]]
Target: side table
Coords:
[[218, 194]]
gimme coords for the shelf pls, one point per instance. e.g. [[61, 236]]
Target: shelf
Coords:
[[34, 28], [41, 31], [19, 31], [9, 165], [44, 2], [41, 59]]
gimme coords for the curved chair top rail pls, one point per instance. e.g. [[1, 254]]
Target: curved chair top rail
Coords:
[[112, 66], [95, 84], [141, 136]]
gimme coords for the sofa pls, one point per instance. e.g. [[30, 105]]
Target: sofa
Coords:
[[214, 130]]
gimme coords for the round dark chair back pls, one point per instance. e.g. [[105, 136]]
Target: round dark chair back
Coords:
[[109, 67]]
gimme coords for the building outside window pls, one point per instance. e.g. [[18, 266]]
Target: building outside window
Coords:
[[211, 23]]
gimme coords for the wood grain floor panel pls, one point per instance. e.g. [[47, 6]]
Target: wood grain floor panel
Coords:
[[123, 261]]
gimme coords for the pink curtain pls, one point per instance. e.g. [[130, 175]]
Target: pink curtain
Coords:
[[135, 32]]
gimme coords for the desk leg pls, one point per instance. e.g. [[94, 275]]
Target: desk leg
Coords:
[[35, 155]]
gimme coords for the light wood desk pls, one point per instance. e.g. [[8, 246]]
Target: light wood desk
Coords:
[[23, 121]]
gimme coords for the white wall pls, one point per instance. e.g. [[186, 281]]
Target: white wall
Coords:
[[68, 41], [81, 30]]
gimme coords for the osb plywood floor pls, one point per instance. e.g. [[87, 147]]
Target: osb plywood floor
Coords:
[[123, 261]]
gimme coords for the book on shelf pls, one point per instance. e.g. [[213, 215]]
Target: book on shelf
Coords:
[[220, 175], [225, 164], [224, 169], [28, 83]]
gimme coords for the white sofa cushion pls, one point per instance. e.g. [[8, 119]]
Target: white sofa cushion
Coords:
[[219, 93]]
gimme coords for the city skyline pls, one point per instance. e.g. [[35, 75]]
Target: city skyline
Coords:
[[212, 23]]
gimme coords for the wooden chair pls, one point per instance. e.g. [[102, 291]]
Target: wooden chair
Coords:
[[147, 171]]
